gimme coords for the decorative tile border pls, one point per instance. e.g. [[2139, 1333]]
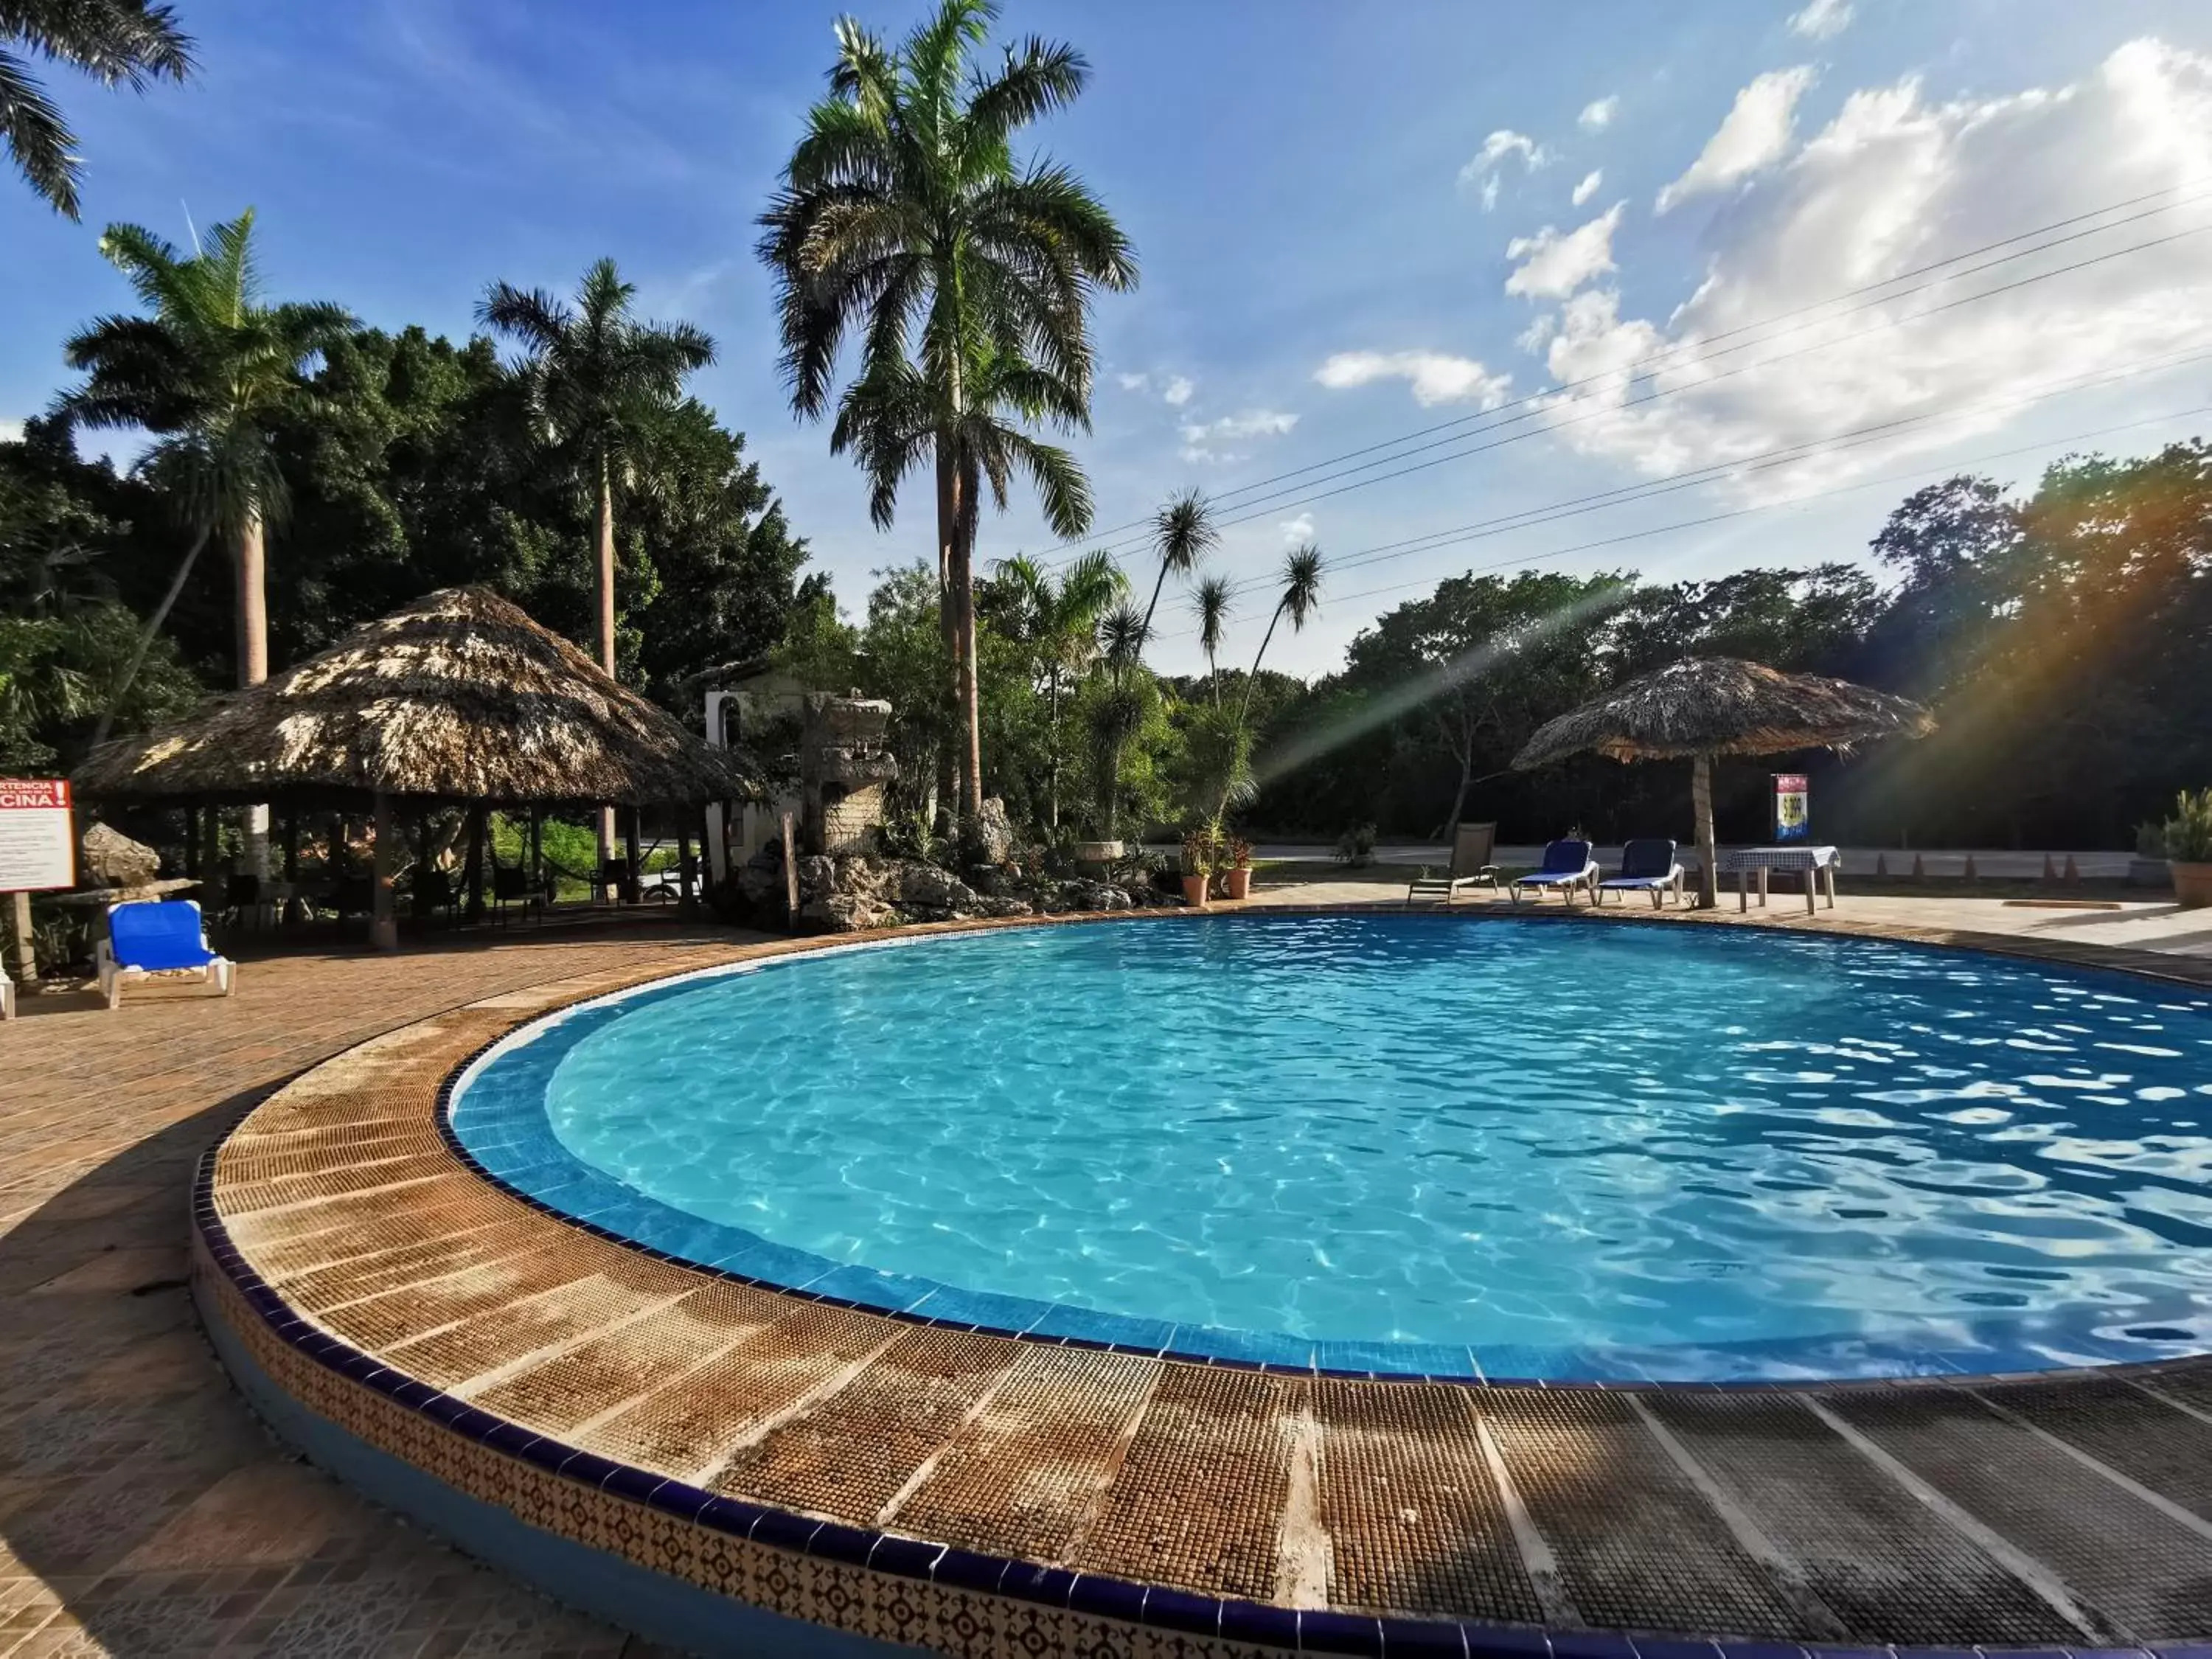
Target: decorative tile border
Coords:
[[872, 1585], [491, 1115]]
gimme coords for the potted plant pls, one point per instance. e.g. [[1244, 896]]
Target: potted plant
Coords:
[[2189, 848], [1236, 878], [1200, 854]]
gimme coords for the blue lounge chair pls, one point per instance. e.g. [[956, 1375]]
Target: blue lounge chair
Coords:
[[1646, 866], [1567, 865], [148, 936]]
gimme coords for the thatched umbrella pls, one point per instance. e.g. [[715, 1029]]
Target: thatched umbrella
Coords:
[[1707, 706], [459, 696]]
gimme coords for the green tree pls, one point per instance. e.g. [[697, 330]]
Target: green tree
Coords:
[[114, 41], [209, 374], [1183, 535], [905, 218], [1209, 604], [597, 380], [1058, 620]]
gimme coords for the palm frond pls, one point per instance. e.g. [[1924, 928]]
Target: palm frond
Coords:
[[37, 138]]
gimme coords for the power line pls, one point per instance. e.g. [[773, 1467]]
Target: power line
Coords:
[[1525, 560], [1702, 352], [1656, 393], [1783, 455]]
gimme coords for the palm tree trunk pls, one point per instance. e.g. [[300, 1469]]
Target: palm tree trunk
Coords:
[[1244, 703], [1701, 802], [948, 619], [146, 636], [606, 596], [1052, 775], [1145, 635], [971, 700], [253, 659]]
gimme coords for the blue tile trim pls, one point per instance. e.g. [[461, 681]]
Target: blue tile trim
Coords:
[[497, 1126]]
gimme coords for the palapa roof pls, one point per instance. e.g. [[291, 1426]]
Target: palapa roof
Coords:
[[457, 696], [1722, 706]]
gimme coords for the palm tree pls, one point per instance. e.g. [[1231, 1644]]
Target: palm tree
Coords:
[[1060, 619], [1116, 714], [110, 40], [1300, 599], [597, 379], [1209, 602], [1183, 534], [904, 220], [209, 374]]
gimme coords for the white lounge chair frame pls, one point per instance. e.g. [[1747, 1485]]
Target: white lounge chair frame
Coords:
[[1658, 886], [218, 971], [1564, 882], [6, 997]]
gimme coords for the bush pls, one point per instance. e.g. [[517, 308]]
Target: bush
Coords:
[[1355, 847], [2188, 834]]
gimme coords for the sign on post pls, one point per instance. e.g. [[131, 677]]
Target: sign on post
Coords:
[[1793, 807], [37, 843]]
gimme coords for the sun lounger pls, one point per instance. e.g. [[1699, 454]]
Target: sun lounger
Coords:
[[6, 997], [1470, 863], [1646, 866], [148, 936], [1567, 865]]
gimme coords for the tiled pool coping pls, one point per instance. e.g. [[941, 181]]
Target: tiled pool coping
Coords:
[[492, 1112], [349, 1140]]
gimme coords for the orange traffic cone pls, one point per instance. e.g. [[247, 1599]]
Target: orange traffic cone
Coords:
[[1880, 865], [2050, 870], [2073, 872], [1970, 866], [1919, 870]]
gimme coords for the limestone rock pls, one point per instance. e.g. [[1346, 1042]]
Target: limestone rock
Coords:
[[108, 858], [817, 879], [851, 912], [926, 887], [994, 831]]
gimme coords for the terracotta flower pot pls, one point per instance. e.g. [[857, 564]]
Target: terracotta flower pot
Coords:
[[2192, 884], [1237, 883], [1194, 890]]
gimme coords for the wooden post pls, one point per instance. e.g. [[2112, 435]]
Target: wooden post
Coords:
[[192, 842], [383, 925], [478, 828], [1701, 801], [687, 867], [22, 945], [291, 847], [536, 848], [630, 853], [790, 871]]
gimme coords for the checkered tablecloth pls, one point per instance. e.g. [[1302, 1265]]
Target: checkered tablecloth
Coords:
[[1779, 858]]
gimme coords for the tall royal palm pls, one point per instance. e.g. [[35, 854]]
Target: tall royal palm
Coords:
[[115, 41], [597, 378], [1183, 535], [906, 220], [208, 373]]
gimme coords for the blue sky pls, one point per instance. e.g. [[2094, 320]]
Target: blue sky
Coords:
[[1323, 197]]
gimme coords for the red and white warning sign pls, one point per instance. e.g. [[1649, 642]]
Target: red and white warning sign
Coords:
[[38, 842]]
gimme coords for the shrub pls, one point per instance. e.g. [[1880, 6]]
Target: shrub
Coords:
[[1356, 847], [2188, 834]]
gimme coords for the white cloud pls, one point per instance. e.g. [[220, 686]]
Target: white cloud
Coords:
[[1755, 136], [1178, 390], [1588, 188], [1134, 382], [1297, 530], [1436, 377], [1598, 115], [1245, 423], [1894, 183], [1487, 162], [1553, 264], [1823, 20], [11, 432]]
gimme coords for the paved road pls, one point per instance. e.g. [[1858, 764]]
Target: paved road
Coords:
[[1857, 860]]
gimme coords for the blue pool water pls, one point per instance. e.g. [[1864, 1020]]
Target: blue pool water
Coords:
[[1408, 1143]]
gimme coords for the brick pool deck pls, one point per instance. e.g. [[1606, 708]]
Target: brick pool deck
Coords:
[[143, 1511]]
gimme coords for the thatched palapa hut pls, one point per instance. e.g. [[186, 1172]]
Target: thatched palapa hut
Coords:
[[459, 696], [1703, 707]]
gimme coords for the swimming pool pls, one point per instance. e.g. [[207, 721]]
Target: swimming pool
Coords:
[[1412, 1144]]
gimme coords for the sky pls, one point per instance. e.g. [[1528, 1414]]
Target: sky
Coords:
[[1688, 260]]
